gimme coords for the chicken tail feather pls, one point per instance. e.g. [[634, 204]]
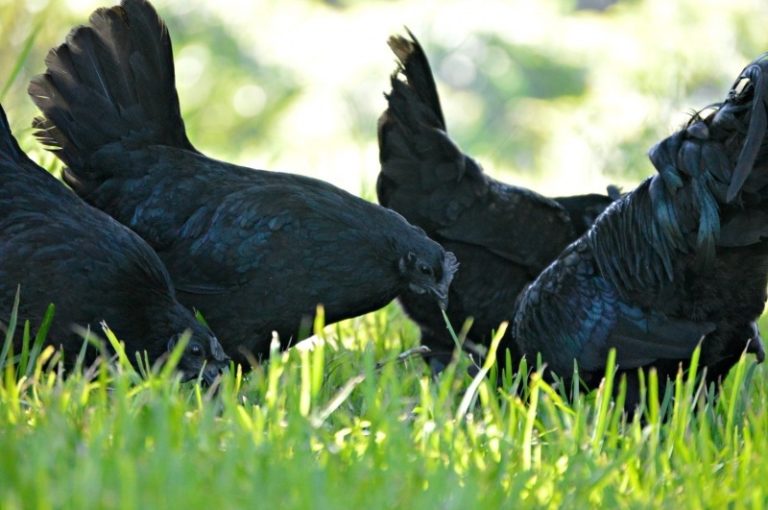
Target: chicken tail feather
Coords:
[[112, 81]]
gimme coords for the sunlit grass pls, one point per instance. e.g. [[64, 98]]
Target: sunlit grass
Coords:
[[351, 422]]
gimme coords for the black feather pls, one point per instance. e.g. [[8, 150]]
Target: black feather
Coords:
[[755, 75], [672, 263], [254, 251], [60, 250], [502, 235], [111, 81]]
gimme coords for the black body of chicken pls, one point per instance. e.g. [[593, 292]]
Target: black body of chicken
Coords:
[[255, 251], [60, 250], [502, 235], [680, 260]]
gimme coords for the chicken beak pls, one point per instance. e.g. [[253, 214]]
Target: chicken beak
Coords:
[[217, 351], [212, 371], [755, 344], [450, 266], [441, 295]]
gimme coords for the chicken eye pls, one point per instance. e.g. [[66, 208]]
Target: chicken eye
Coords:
[[425, 269], [195, 350]]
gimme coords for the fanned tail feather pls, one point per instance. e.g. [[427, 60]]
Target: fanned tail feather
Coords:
[[111, 81], [414, 66], [415, 151]]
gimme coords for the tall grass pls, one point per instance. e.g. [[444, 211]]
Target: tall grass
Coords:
[[351, 422]]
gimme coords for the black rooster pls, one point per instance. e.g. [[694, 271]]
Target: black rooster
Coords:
[[61, 250], [680, 260], [502, 235], [255, 251]]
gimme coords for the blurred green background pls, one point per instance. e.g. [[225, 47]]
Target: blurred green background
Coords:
[[562, 95]]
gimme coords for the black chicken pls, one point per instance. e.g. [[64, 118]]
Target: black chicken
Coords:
[[255, 251], [61, 250], [502, 235], [680, 260]]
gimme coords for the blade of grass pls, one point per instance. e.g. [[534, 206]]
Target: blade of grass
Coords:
[[22, 57], [11, 328]]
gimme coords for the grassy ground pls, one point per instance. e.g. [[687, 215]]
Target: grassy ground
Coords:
[[349, 425]]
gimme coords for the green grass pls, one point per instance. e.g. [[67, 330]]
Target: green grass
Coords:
[[353, 423]]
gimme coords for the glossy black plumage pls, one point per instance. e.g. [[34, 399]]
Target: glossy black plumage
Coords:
[[61, 250], [502, 235], [254, 250], [681, 259]]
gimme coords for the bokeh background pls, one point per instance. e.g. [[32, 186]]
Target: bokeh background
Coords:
[[562, 95]]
